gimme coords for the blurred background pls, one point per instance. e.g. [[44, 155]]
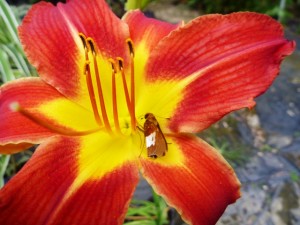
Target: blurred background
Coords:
[[262, 144]]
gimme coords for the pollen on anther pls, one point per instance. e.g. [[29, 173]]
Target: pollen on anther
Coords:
[[83, 39], [121, 63], [86, 67], [130, 45], [91, 45], [113, 65]]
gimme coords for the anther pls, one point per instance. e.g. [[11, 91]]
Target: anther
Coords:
[[86, 67], [83, 40], [113, 65], [120, 62], [91, 45], [130, 45]]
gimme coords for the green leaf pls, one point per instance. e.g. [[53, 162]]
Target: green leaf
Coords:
[[5, 68], [10, 20], [4, 159], [140, 222], [136, 4]]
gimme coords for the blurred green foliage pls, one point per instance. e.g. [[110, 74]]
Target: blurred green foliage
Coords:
[[13, 63], [226, 138], [148, 212], [136, 4], [280, 9], [294, 176], [228, 6]]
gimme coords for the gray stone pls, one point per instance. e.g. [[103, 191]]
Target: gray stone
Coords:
[[279, 141], [165, 11], [261, 205], [143, 190], [279, 108], [260, 168], [292, 154]]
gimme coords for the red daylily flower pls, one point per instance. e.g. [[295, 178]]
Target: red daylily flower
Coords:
[[99, 77]]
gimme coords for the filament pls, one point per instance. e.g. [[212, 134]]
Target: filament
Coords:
[[99, 87], [114, 97], [131, 50]]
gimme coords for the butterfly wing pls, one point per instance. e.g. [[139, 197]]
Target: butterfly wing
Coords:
[[155, 140]]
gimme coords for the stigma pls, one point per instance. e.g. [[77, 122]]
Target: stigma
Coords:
[[105, 104]]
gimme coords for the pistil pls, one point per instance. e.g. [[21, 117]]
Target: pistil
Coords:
[[15, 107]]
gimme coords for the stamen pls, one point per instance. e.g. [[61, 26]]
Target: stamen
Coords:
[[91, 45], [125, 87], [131, 49], [83, 40], [87, 72], [130, 45], [100, 91], [60, 130], [91, 92], [114, 97]]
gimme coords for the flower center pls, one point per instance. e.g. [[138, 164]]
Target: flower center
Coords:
[[95, 86], [106, 115]]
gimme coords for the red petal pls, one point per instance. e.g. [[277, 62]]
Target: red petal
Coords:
[[199, 186], [14, 148], [209, 39], [231, 60], [15, 128], [50, 36], [43, 191], [146, 30]]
